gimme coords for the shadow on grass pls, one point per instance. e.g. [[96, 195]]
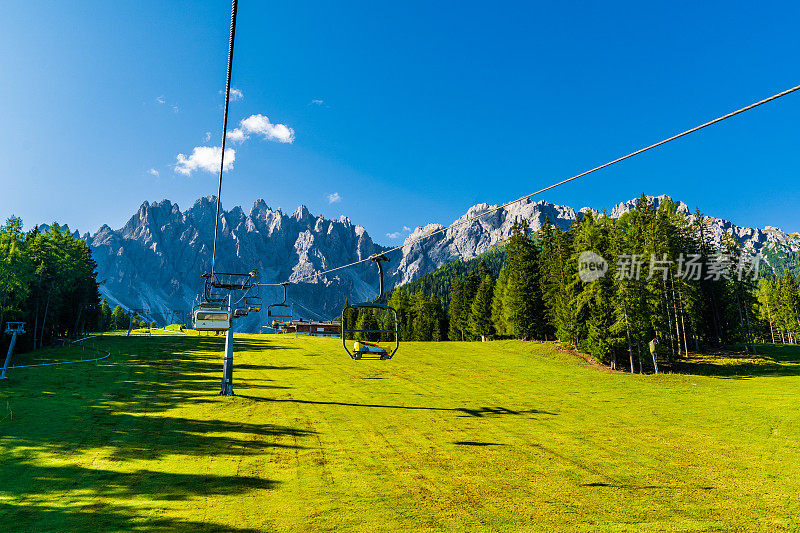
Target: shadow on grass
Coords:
[[476, 443], [101, 517], [118, 406], [62, 480], [262, 367], [640, 487], [771, 360], [476, 412]]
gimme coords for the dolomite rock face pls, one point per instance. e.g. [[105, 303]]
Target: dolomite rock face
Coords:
[[466, 239], [155, 261]]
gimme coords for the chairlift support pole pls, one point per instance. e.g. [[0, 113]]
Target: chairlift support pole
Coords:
[[13, 331], [227, 364]]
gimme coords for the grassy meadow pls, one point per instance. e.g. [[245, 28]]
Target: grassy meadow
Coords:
[[497, 436]]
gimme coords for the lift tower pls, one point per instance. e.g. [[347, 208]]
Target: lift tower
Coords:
[[13, 329]]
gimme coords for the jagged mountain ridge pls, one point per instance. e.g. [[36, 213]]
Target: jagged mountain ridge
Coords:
[[466, 241], [155, 260]]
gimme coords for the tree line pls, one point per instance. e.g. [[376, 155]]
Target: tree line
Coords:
[[119, 318], [779, 307], [664, 276], [48, 280]]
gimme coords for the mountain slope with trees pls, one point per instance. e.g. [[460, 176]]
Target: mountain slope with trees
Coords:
[[669, 277]]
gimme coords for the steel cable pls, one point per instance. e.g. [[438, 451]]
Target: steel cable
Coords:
[[562, 182], [234, 6], [106, 356]]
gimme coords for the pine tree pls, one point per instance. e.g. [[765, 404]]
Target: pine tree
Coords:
[[104, 319], [594, 300], [423, 317], [558, 284], [439, 318], [523, 300], [469, 287], [481, 310], [456, 309], [119, 318], [498, 311], [399, 300]]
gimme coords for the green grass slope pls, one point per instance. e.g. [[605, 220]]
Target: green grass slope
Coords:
[[497, 436]]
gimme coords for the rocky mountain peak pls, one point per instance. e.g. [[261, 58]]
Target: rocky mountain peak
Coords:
[[301, 213], [260, 210], [623, 207], [156, 259]]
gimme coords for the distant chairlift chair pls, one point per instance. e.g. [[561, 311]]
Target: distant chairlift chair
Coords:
[[250, 304], [213, 313], [280, 312], [365, 349]]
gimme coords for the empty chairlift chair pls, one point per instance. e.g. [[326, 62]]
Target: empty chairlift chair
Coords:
[[280, 312], [365, 349], [211, 316], [250, 304]]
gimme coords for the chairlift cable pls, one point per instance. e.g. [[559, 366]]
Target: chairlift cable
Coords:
[[562, 182], [224, 128]]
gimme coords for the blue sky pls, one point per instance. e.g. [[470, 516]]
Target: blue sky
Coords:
[[407, 112]]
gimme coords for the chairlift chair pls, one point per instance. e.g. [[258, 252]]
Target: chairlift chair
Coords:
[[211, 316], [366, 349], [253, 303], [281, 311], [250, 304], [213, 313]]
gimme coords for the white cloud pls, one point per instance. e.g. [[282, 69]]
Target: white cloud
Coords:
[[204, 158], [236, 94], [161, 99], [175, 108], [317, 101], [260, 125], [207, 137], [397, 234], [153, 172], [334, 198], [236, 135]]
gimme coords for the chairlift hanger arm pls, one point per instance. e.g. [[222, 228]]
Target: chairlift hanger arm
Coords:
[[281, 305], [379, 259], [231, 281]]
